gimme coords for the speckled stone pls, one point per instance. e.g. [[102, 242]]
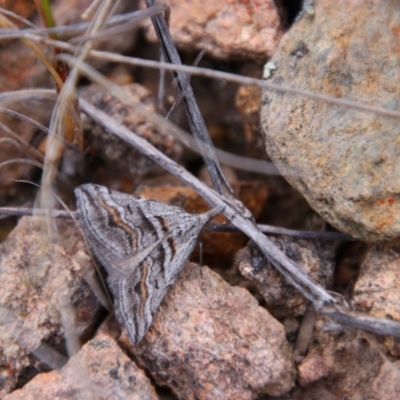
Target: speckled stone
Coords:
[[100, 370], [212, 341], [344, 161], [230, 29], [44, 297]]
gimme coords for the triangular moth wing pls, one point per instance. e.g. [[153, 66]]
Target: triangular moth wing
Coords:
[[114, 226], [118, 225]]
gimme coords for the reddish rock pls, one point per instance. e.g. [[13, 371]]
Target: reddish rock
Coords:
[[344, 161], [351, 366], [237, 29], [100, 370], [209, 340], [311, 369], [45, 300]]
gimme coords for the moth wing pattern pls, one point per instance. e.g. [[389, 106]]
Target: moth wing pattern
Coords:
[[119, 226]]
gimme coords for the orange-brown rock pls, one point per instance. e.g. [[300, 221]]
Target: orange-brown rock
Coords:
[[239, 29]]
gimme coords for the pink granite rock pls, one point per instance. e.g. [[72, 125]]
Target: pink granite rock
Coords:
[[239, 29], [311, 369], [101, 370], [347, 364], [45, 300], [210, 340]]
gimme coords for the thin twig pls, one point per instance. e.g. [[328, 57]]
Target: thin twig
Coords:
[[275, 230], [23, 144], [213, 227], [24, 118], [195, 118], [310, 290], [226, 76], [126, 20], [182, 93], [21, 160], [324, 302], [36, 124]]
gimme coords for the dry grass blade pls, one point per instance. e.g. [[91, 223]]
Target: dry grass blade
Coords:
[[23, 145], [57, 129], [213, 74], [23, 161], [113, 25], [24, 118]]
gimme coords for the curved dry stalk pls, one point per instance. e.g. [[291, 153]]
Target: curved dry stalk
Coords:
[[23, 144], [21, 160], [66, 98], [229, 77], [27, 95], [54, 147], [18, 18], [128, 21], [24, 118]]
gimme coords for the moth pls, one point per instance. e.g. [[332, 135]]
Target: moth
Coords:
[[143, 245]]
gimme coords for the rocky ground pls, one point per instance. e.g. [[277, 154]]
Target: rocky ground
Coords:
[[231, 327]]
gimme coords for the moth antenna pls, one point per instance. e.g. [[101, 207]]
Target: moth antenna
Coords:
[[200, 253], [161, 87], [203, 288]]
